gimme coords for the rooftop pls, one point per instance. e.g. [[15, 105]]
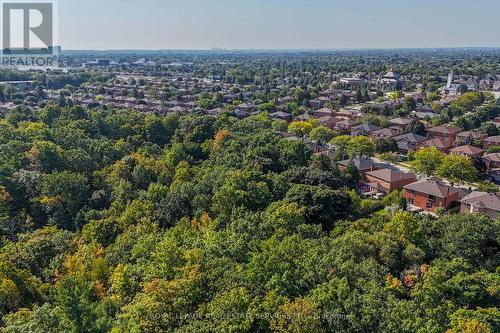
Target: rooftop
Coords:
[[433, 187], [389, 175], [483, 200]]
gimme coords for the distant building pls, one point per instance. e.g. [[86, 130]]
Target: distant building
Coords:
[[390, 81], [96, 63], [352, 83]]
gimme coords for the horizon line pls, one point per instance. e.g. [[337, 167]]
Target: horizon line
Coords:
[[288, 49]]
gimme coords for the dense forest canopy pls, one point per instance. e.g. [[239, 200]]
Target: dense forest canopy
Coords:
[[117, 221]]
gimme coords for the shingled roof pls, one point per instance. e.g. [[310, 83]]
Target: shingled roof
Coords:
[[433, 187], [444, 129], [483, 199], [390, 176]]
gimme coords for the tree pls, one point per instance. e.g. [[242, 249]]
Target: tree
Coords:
[[409, 103], [343, 100], [77, 301], [341, 143], [427, 161], [391, 158], [280, 125], [300, 128], [298, 316], [487, 187], [360, 146], [489, 129], [323, 205], [457, 169], [267, 107], [359, 96], [417, 127], [19, 114], [352, 173], [474, 237], [386, 146], [2, 95], [63, 195], [322, 135]]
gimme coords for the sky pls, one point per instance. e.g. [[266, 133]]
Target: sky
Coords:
[[277, 24]]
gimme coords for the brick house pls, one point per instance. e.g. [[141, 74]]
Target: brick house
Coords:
[[491, 142], [402, 123], [443, 145], [492, 161], [409, 142], [364, 129], [444, 132], [345, 125], [481, 202], [430, 194], [322, 113], [387, 180], [363, 165], [386, 133], [468, 151], [468, 137]]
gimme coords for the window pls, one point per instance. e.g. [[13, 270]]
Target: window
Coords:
[[411, 201], [432, 198], [429, 205]]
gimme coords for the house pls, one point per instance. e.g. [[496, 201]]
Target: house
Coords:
[[284, 100], [444, 132], [281, 116], [364, 129], [429, 195], [468, 151], [316, 103], [302, 117], [492, 161], [327, 121], [491, 142], [349, 113], [481, 202], [443, 145], [246, 107], [388, 180], [409, 142], [363, 165], [240, 113], [425, 115], [179, 109], [468, 137], [6, 108], [346, 124], [322, 113], [402, 123], [494, 176], [390, 81], [386, 133]]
